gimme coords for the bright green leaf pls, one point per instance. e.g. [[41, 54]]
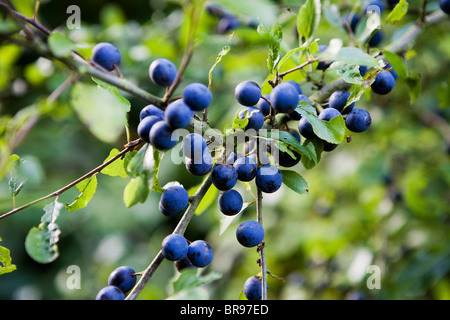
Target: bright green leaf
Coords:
[[5, 261], [221, 54], [399, 11], [116, 168], [136, 191], [349, 55], [308, 19], [397, 63], [87, 188], [315, 146], [60, 45], [190, 278], [100, 110], [295, 181]]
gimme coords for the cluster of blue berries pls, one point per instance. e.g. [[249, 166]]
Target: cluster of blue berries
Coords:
[[159, 127], [120, 281]]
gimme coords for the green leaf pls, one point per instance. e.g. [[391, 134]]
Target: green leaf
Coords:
[[157, 161], [41, 242], [349, 55], [414, 86], [308, 19], [190, 278], [126, 105], [87, 188], [289, 140], [288, 56], [399, 11], [295, 181], [100, 110], [221, 54], [136, 191], [274, 36], [60, 45], [332, 131], [116, 168], [5, 261], [315, 146]]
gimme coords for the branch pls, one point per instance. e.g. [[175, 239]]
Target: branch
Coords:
[[301, 66], [129, 147], [179, 229]]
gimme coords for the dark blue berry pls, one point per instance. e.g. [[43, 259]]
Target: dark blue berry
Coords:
[[246, 168], [162, 136], [197, 96], [199, 167], [145, 125], [178, 115], [224, 176], [250, 233], [151, 110], [358, 120], [106, 55], [174, 247], [174, 199], [200, 253], [110, 293], [253, 288], [162, 72], [247, 93], [384, 83], [193, 145], [256, 119], [284, 98], [123, 277], [230, 202], [263, 105], [269, 178]]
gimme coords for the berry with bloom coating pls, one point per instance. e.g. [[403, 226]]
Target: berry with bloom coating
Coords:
[[269, 178], [224, 176], [200, 253], [106, 55], [247, 93], [358, 120], [174, 247], [197, 96], [162, 72], [110, 293], [123, 277], [284, 98]]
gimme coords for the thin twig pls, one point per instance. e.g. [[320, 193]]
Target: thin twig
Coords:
[[129, 147], [301, 66]]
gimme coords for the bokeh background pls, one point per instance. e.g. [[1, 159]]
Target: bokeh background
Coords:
[[383, 199]]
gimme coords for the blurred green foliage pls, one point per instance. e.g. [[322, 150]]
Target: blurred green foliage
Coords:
[[383, 199]]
